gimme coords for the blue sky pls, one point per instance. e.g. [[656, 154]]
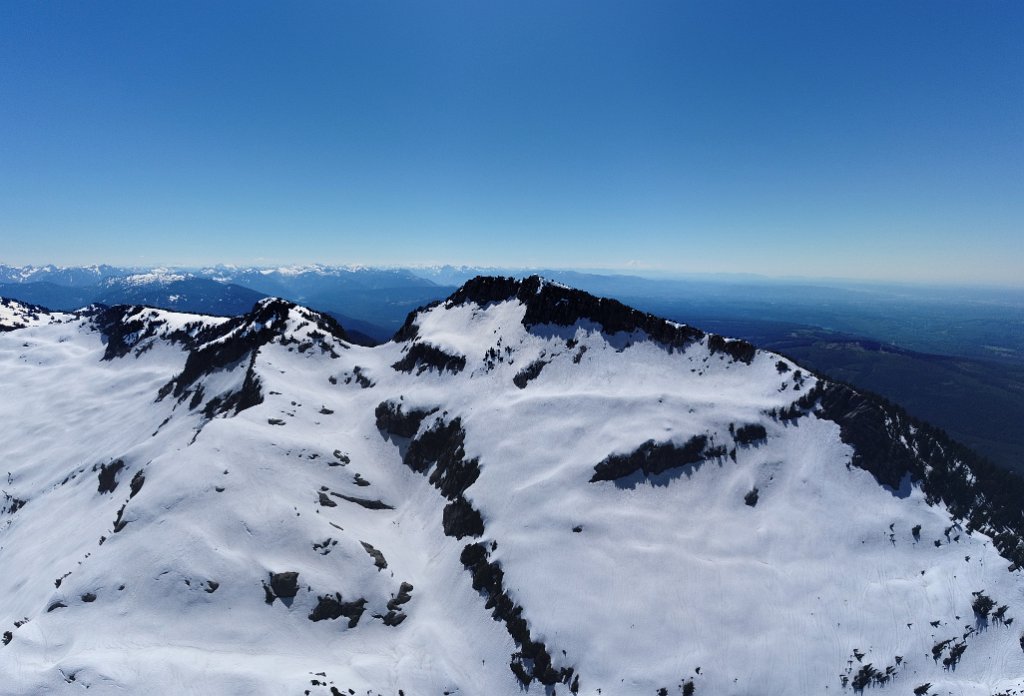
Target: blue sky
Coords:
[[847, 139]]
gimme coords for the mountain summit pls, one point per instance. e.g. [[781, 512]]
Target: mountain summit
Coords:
[[529, 489]]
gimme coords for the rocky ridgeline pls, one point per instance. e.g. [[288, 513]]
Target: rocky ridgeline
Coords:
[[549, 303]]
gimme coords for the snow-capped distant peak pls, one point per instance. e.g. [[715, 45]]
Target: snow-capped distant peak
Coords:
[[155, 276]]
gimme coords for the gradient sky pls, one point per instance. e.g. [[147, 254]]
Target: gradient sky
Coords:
[[868, 139]]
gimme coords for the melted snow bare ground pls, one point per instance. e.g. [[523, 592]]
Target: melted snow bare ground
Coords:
[[664, 577]]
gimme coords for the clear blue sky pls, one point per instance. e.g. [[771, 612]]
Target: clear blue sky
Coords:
[[868, 139]]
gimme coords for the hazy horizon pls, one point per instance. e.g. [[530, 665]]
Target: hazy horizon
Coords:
[[724, 277]]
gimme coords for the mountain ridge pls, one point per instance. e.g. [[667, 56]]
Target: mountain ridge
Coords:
[[538, 467]]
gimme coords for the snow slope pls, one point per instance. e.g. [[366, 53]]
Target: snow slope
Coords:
[[18, 315], [528, 490]]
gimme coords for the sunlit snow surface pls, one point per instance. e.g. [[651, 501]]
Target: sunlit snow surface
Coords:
[[668, 580], [18, 315]]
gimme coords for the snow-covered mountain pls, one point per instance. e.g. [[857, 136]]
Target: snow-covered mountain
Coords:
[[179, 292], [18, 315], [374, 301], [290, 278], [378, 298], [163, 288], [69, 276], [529, 489], [309, 280]]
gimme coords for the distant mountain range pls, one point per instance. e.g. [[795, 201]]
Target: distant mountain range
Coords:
[[372, 302], [72, 276]]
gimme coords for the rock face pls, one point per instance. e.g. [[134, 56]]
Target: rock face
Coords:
[[421, 357], [108, 476], [284, 585], [333, 608], [530, 490], [652, 458]]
